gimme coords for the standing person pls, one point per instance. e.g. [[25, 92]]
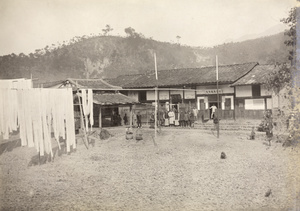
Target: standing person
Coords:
[[186, 119], [166, 118], [112, 119], [192, 119], [152, 120], [269, 126], [181, 118], [213, 110], [119, 120], [176, 118], [133, 119], [195, 111], [139, 120], [161, 118], [125, 119], [171, 117]]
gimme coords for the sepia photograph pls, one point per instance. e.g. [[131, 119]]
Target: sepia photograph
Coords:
[[147, 105]]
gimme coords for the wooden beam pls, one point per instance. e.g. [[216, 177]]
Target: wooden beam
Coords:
[[85, 139]]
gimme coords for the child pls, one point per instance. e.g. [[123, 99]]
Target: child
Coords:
[[252, 135], [269, 132]]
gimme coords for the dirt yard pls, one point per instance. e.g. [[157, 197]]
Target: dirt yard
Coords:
[[183, 172]]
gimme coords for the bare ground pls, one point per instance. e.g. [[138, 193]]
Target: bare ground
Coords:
[[183, 172]]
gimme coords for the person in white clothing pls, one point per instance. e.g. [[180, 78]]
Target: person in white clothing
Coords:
[[171, 115], [213, 110]]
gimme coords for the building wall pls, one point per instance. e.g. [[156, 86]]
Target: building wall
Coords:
[[243, 91], [189, 94], [173, 92], [234, 103], [255, 104], [164, 95], [264, 91], [150, 95], [133, 94], [223, 89], [249, 106]]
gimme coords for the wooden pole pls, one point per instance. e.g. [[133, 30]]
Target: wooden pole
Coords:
[[130, 123], [85, 139], [217, 77], [100, 117], [155, 113]]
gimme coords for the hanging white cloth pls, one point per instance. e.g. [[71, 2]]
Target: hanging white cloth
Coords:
[[38, 112]]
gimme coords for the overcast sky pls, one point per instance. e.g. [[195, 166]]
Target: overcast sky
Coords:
[[27, 25]]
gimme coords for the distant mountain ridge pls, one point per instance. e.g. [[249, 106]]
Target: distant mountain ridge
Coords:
[[111, 56], [279, 28]]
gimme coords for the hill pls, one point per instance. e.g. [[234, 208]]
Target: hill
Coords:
[[265, 50], [110, 56]]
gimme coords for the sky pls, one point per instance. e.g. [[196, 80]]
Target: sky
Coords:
[[27, 25]]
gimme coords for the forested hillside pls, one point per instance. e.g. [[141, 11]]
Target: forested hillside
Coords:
[[110, 56], [264, 50]]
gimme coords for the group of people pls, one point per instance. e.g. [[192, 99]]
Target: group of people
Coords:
[[136, 119], [116, 119], [182, 118], [174, 118]]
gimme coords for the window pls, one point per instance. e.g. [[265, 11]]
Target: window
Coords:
[[227, 103], [176, 98], [255, 90], [142, 96], [202, 104], [254, 104]]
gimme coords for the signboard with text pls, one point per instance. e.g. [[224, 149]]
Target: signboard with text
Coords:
[[213, 91]]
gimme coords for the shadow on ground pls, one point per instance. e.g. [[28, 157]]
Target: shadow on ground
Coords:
[[9, 146], [41, 160]]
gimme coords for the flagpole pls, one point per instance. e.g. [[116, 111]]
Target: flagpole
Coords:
[[217, 78], [155, 113]]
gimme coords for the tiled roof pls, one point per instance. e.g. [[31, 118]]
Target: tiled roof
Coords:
[[113, 99], [82, 84], [92, 84], [258, 75], [187, 76], [52, 84], [123, 80]]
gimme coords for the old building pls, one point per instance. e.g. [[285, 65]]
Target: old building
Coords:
[[196, 87], [109, 104], [252, 97]]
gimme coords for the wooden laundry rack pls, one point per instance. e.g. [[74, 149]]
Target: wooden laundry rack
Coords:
[[82, 128]]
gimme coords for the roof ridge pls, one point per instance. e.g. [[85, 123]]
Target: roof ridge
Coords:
[[50, 82], [84, 79], [186, 68], [192, 68], [124, 75], [110, 84]]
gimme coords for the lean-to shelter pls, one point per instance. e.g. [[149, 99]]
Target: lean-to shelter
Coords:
[[110, 106]]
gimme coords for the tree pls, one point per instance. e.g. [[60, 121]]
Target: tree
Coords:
[[107, 30], [285, 82], [282, 77], [291, 21], [132, 33], [178, 38]]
